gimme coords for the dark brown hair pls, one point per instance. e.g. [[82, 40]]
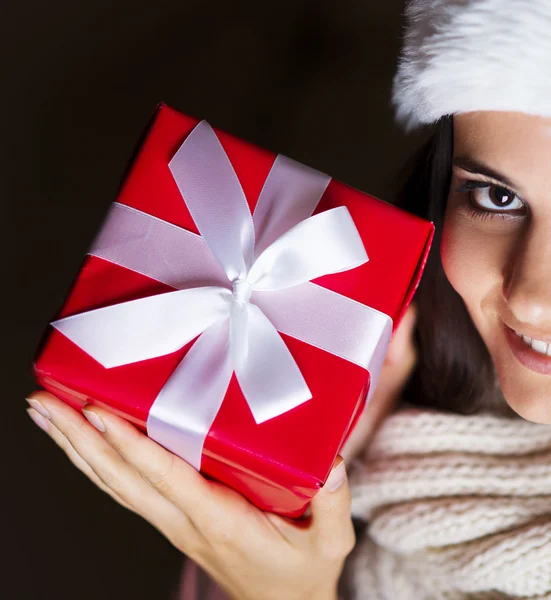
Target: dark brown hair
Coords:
[[454, 371]]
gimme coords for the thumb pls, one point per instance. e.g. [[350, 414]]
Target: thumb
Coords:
[[330, 511]]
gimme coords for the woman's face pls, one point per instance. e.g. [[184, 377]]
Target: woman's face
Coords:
[[496, 247]]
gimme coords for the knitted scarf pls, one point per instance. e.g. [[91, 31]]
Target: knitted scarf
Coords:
[[452, 507]]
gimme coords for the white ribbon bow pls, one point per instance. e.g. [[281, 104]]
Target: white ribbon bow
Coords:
[[266, 260]]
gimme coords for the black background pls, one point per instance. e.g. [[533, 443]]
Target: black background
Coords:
[[80, 79]]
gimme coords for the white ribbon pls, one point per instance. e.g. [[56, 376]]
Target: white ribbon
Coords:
[[246, 277]]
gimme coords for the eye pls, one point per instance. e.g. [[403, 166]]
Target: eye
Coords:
[[490, 199]]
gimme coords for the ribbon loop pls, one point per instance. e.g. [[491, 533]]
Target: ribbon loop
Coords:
[[212, 192], [290, 194], [325, 243], [145, 328]]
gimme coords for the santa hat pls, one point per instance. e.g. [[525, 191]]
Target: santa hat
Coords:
[[465, 55]]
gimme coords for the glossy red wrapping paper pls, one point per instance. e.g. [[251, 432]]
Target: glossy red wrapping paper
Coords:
[[279, 464]]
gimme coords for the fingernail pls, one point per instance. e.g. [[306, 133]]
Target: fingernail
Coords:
[[38, 419], [336, 478], [94, 419], [39, 408]]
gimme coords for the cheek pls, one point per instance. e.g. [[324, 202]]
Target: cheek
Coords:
[[460, 256], [473, 263]]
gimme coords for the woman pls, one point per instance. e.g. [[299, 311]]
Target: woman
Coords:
[[451, 497]]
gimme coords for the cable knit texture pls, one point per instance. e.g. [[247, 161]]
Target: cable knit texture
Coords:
[[456, 507]]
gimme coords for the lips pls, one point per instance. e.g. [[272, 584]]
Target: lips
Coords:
[[527, 356]]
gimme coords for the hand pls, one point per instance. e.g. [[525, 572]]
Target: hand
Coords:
[[253, 555], [399, 363]]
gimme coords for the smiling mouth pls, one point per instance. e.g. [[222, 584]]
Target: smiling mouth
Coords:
[[537, 345], [532, 354]]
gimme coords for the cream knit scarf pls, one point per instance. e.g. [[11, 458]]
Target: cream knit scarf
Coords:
[[458, 507]]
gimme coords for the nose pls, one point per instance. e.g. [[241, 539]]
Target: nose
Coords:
[[527, 284]]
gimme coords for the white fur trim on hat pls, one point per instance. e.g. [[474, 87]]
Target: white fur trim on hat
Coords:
[[465, 55]]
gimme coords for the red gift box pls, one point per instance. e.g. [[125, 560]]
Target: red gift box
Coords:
[[280, 463]]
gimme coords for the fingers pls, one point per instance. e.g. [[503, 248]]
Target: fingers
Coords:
[[197, 515], [293, 531], [331, 521], [220, 516], [73, 456], [327, 523], [169, 475], [143, 473], [109, 467]]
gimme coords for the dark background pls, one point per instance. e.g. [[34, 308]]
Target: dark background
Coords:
[[80, 79]]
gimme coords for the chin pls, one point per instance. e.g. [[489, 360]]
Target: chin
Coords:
[[531, 404]]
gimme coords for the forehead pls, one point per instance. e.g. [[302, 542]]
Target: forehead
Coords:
[[517, 145]]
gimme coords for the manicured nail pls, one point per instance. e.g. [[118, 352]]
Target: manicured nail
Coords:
[[39, 408], [94, 419], [336, 478], [38, 419]]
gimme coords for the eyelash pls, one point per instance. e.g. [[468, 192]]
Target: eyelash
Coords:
[[481, 213]]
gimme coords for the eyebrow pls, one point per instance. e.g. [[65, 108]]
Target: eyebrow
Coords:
[[473, 166]]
